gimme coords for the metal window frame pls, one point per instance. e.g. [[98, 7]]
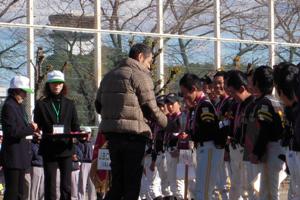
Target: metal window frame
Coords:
[[217, 39]]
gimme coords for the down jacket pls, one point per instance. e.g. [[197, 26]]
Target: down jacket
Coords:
[[126, 100]]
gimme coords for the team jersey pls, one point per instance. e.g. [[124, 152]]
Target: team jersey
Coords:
[[268, 114], [205, 123]]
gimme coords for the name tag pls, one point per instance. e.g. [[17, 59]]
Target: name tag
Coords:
[[103, 162], [58, 129]]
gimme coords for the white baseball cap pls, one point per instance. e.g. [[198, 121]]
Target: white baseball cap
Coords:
[[20, 82], [86, 129], [56, 76]]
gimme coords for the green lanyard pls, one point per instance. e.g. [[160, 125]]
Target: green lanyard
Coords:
[[57, 111]]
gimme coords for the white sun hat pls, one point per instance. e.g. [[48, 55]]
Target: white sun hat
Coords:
[[56, 76], [20, 82]]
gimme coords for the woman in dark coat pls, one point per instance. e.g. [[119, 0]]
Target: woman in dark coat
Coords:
[[55, 114], [16, 149]]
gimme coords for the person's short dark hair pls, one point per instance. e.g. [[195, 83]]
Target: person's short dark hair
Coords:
[[13, 91], [286, 79], [48, 93], [138, 48], [221, 73], [189, 81], [236, 79], [229, 72], [206, 80], [263, 79]]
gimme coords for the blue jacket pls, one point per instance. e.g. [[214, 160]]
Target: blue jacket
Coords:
[[76, 164], [37, 159], [86, 148]]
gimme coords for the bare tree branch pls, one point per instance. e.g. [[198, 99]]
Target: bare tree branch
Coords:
[[13, 68], [10, 47], [4, 11]]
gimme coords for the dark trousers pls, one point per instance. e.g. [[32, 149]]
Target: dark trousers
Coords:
[[64, 164], [14, 184], [126, 154]]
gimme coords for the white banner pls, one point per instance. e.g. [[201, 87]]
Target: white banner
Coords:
[[103, 162]]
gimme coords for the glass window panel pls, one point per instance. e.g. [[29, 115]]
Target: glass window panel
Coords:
[[72, 53], [239, 56], [287, 19], [287, 54], [244, 19], [129, 15], [187, 56], [13, 49], [189, 17], [66, 13], [13, 11]]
